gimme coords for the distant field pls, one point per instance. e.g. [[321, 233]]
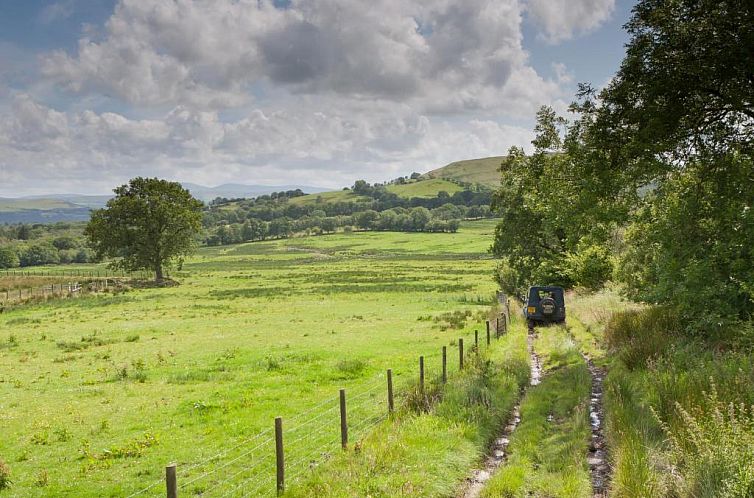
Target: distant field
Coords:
[[10, 205], [97, 394], [325, 197], [424, 188], [483, 171]]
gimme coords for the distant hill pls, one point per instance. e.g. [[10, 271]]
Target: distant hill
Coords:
[[53, 208], [237, 191], [484, 171]]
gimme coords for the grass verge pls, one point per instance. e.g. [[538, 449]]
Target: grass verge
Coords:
[[430, 453]]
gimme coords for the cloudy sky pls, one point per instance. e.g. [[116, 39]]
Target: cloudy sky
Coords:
[[312, 92]]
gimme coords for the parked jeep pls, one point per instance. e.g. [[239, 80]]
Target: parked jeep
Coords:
[[544, 305]]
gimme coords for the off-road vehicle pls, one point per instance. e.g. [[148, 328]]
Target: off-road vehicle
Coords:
[[544, 305]]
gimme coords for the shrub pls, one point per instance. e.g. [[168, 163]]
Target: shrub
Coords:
[[590, 267], [8, 258], [638, 336], [5, 480]]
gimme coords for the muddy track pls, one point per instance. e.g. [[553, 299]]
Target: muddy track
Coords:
[[597, 455], [498, 451]]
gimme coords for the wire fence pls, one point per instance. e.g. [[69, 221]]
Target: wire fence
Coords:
[[286, 453]]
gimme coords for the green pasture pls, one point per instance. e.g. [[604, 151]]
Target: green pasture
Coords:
[[424, 188], [98, 394]]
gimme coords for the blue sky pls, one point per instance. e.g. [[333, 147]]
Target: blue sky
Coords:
[[93, 92]]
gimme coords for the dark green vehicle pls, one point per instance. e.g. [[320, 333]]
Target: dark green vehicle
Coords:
[[544, 305]]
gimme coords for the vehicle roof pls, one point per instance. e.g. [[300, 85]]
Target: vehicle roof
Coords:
[[546, 288]]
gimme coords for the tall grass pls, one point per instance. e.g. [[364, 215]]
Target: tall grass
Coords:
[[680, 421]]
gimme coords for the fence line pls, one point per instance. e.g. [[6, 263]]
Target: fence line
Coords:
[[313, 439]]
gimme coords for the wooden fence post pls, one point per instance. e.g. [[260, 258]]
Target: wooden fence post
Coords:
[[279, 457], [488, 327], [171, 481], [460, 354], [343, 420], [488, 337], [421, 374], [444, 364], [390, 406], [476, 340]]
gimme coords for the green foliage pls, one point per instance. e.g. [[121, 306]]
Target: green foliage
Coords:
[[8, 258], [656, 168], [590, 267], [147, 225]]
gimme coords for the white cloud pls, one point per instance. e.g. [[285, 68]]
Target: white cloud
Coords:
[[86, 151], [563, 19], [446, 55], [323, 92]]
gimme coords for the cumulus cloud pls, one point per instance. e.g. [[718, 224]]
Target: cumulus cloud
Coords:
[[62, 150], [320, 92], [446, 55], [561, 20]]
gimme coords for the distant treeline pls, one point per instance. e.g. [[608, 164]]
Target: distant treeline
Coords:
[[43, 244], [230, 221]]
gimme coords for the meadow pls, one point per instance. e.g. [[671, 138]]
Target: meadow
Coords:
[[99, 393]]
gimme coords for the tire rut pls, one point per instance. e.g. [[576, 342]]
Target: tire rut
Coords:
[[498, 452], [597, 455]]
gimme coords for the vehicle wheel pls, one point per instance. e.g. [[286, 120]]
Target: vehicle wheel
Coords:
[[530, 324], [548, 306]]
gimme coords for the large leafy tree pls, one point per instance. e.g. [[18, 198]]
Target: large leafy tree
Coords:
[[147, 225], [658, 168]]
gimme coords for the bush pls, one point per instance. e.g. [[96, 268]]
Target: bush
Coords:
[[638, 336], [5, 480], [590, 267], [8, 258]]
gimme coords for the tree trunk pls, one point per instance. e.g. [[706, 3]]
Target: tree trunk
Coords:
[[158, 273]]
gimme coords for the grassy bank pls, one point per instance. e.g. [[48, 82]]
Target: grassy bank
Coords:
[[547, 450], [429, 452], [679, 410]]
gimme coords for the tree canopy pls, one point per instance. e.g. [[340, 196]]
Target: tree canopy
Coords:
[[147, 225], [651, 182]]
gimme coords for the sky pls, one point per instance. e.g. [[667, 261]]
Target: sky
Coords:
[[280, 92]]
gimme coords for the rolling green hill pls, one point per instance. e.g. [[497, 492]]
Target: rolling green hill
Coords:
[[483, 171], [10, 205], [424, 188], [326, 197]]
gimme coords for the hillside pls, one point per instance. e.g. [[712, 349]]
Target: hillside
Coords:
[[424, 188], [483, 171]]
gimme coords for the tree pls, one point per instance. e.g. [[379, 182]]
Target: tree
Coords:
[[8, 258], [147, 225], [40, 254]]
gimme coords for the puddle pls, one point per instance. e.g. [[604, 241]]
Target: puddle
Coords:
[[597, 457]]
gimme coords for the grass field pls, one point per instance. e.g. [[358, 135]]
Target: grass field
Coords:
[[424, 188], [325, 197], [97, 394], [484, 171]]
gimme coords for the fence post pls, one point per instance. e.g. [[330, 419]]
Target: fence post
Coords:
[[444, 364], [390, 406], [488, 327], [508, 310], [460, 354], [343, 420], [421, 374], [476, 340], [279, 457], [488, 337], [171, 481]]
